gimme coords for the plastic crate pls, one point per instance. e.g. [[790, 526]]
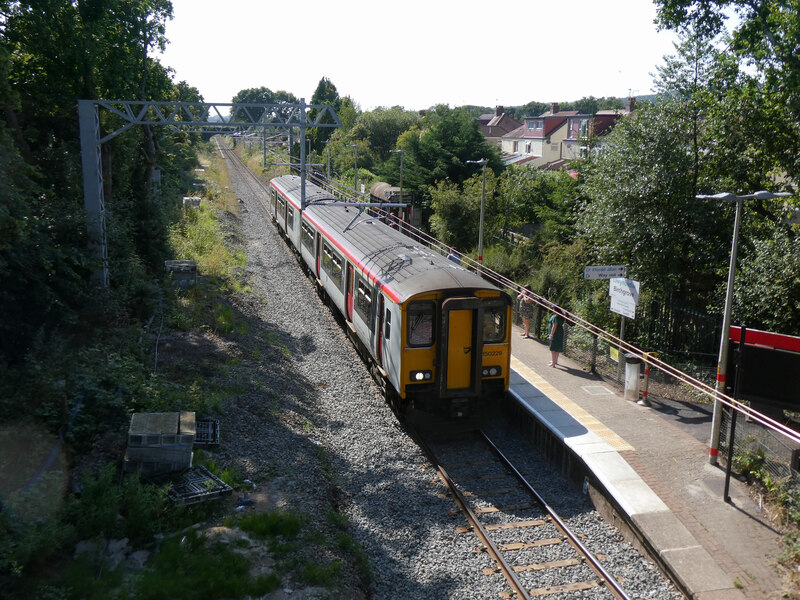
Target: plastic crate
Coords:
[[207, 432], [194, 485]]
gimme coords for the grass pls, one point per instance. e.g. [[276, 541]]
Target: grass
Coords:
[[188, 569]]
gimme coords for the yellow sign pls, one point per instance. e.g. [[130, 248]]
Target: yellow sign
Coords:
[[613, 351]]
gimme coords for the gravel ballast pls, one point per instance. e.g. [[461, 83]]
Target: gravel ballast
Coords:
[[312, 430]]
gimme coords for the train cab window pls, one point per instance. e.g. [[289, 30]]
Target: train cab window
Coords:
[[307, 237], [272, 198], [494, 321], [332, 265], [420, 324], [364, 301], [290, 219]]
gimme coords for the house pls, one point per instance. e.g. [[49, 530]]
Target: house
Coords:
[[538, 140], [495, 125], [582, 128], [555, 137]]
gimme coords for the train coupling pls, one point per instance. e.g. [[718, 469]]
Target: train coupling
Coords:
[[459, 408]]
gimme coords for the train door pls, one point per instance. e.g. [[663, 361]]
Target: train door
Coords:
[[319, 254], [379, 343], [349, 293], [460, 347]]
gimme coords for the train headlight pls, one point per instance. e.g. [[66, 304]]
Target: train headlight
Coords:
[[421, 375], [492, 371]]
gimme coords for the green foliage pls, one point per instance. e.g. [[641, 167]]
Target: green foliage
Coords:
[[382, 127], [545, 199], [346, 542], [316, 573], [769, 270], [640, 208], [456, 211], [751, 464], [113, 508], [324, 94], [188, 569], [765, 38], [272, 524]]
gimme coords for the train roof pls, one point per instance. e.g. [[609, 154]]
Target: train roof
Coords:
[[400, 264]]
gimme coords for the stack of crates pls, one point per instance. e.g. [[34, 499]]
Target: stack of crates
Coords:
[[160, 442], [182, 272]]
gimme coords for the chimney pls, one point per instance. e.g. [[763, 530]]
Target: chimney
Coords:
[[498, 110], [554, 108], [630, 104]]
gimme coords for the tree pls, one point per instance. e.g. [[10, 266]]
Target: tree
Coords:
[[766, 37], [456, 211], [324, 94], [546, 199], [640, 208], [55, 53], [381, 128], [259, 95], [767, 291], [448, 139]]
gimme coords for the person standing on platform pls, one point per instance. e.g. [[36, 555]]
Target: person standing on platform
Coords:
[[526, 309], [556, 336]]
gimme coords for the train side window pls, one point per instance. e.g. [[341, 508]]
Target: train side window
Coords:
[[307, 237], [281, 207], [420, 323], [387, 324], [332, 265], [494, 321], [290, 219], [364, 301]]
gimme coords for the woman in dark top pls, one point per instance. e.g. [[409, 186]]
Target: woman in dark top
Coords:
[[556, 336], [526, 310]]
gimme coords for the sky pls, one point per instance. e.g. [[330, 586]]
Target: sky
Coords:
[[418, 53]]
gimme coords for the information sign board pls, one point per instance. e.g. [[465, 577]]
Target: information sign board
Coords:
[[604, 272], [624, 296]]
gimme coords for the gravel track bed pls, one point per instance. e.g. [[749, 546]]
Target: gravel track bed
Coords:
[[313, 431]]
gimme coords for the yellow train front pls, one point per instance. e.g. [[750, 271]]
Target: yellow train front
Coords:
[[436, 334], [455, 350]]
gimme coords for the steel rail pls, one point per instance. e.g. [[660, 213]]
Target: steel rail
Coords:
[[479, 530], [594, 563]]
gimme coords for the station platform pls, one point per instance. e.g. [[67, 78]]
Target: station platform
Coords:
[[653, 462]]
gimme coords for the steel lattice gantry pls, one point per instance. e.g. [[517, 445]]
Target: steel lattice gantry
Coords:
[[203, 117]]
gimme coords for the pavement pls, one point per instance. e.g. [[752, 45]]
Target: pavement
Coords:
[[653, 462]]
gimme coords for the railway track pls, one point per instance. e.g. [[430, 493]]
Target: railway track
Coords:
[[531, 545], [258, 186]]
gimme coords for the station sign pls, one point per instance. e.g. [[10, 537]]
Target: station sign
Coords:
[[624, 296], [605, 272]]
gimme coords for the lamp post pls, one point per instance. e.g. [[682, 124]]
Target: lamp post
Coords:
[[401, 153], [481, 162], [722, 363], [355, 165]]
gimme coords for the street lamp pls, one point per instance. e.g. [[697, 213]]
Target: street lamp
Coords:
[[401, 153], [355, 164], [481, 162], [722, 363]]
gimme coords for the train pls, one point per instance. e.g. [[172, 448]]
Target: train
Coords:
[[436, 336]]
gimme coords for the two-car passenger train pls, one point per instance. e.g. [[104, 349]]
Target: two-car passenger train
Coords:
[[435, 334]]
